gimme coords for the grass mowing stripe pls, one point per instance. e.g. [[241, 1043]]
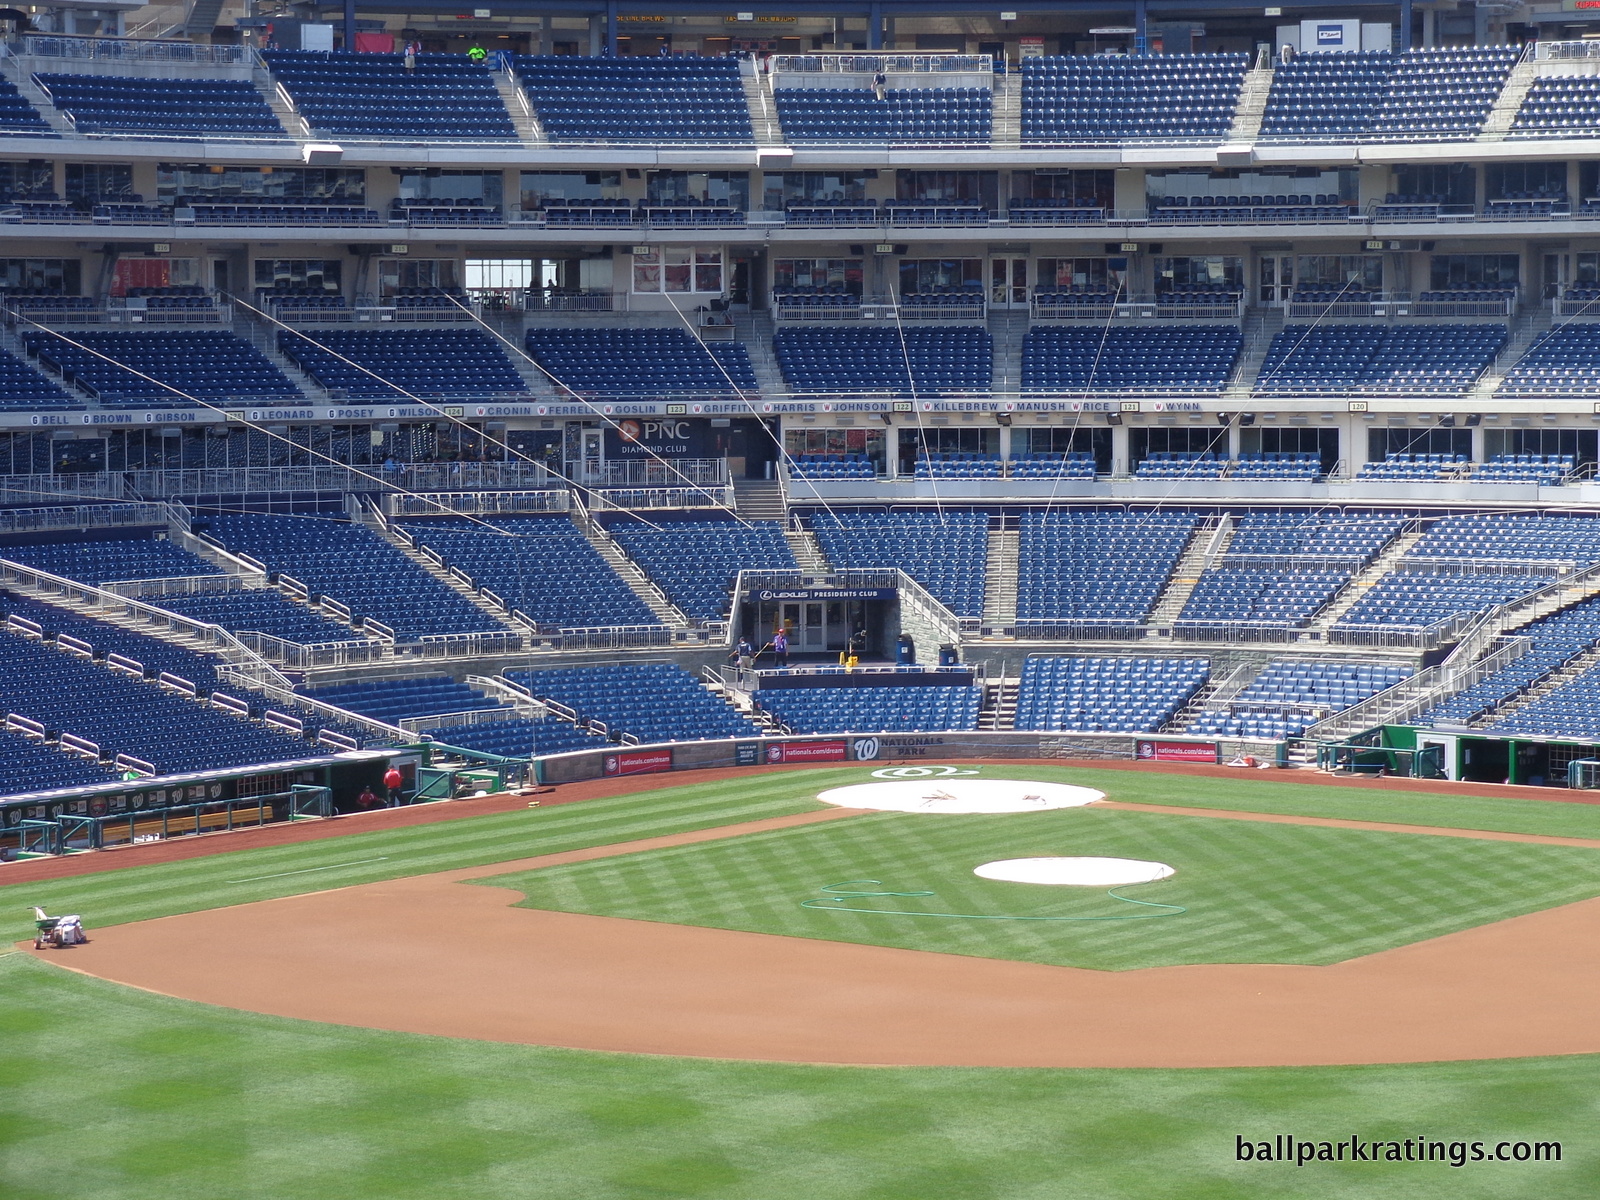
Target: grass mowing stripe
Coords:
[[1255, 892], [140, 893], [169, 1100], [307, 870]]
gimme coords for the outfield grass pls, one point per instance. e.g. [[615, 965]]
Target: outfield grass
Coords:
[[1255, 892], [111, 1094]]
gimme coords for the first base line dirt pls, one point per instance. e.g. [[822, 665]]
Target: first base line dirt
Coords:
[[428, 955]]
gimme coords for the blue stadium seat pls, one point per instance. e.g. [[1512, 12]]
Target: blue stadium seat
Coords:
[[1105, 695], [442, 97], [650, 100], [166, 107]]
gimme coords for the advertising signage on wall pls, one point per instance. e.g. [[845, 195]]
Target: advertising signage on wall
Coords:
[[1190, 752], [655, 437], [638, 762], [789, 752], [826, 594]]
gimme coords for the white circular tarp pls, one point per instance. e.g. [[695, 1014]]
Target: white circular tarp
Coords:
[[1075, 872], [961, 796]]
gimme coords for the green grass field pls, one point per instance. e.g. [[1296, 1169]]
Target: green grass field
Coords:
[[109, 1092], [1255, 892]]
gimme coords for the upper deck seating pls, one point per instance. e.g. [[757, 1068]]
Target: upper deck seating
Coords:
[[149, 370], [163, 107], [418, 362], [918, 116], [641, 364], [1076, 358], [652, 100], [444, 96], [1090, 98]]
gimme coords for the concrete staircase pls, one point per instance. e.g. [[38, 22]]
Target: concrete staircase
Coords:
[[1526, 329], [1007, 327], [763, 109], [202, 18], [998, 709], [1007, 131], [755, 330], [1509, 102], [1261, 325], [516, 102], [633, 575], [807, 551], [1252, 104], [1208, 543], [278, 101], [759, 500], [1000, 578], [1559, 678], [31, 92], [1218, 690], [1350, 595]]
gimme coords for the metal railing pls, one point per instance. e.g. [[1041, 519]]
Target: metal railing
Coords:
[[88, 516], [412, 477], [630, 499], [237, 659], [1566, 51], [889, 64], [184, 585], [584, 301], [480, 503], [661, 473], [1136, 308], [27, 489], [130, 50]]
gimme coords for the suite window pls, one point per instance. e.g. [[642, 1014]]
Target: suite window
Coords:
[[299, 273], [89, 182], [1471, 270], [814, 187], [1093, 274], [729, 189], [1219, 271], [41, 274], [1340, 272], [540, 186], [948, 187], [214, 184], [1098, 188], [941, 275], [397, 273], [28, 180], [486, 187], [678, 269], [818, 275]]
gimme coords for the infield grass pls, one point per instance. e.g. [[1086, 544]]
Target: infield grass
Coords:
[[1254, 892]]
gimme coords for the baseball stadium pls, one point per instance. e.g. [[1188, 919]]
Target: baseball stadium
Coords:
[[684, 653]]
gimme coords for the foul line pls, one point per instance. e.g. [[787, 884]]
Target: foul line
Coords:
[[334, 867]]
